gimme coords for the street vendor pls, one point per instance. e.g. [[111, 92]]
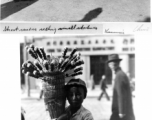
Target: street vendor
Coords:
[[76, 92]]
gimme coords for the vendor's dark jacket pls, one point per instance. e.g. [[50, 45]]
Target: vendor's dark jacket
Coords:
[[122, 98]]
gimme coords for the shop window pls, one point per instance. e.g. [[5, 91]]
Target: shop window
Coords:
[[75, 42], [48, 43]]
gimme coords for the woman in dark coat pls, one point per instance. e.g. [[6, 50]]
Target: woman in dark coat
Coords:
[[122, 108]]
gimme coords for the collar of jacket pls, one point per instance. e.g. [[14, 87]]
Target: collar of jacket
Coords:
[[118, 69]]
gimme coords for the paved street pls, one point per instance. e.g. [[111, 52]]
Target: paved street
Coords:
[[76, 10], [35, 110]]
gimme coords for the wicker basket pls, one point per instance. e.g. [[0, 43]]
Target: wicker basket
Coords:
[[54, 94]]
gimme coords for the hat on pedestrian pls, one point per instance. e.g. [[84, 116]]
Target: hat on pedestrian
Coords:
[[77, 82], [113, 57]]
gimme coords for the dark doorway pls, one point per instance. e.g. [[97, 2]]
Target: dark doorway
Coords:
[[99, 67]]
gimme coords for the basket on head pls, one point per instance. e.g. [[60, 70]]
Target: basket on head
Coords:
[[54, 94]]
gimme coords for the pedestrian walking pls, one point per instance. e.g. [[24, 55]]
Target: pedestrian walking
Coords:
[[103, 88], [122, 108]]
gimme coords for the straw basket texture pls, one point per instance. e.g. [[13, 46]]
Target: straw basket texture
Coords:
[[54, 94]]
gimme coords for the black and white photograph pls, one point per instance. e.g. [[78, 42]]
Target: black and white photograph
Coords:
[[93, 77], [75, 10], [75, 60], [78, 77]]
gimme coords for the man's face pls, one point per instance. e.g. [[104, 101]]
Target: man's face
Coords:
[[75, 96], [113, 65]]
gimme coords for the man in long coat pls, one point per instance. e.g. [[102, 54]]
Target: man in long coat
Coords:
[[122, 108]]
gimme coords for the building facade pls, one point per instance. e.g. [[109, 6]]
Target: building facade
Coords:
[[94, 51]]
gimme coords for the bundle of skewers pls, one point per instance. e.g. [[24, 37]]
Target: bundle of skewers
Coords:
[[48, 64], [53, 71]]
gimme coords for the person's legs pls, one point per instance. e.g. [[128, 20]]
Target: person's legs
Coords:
[[99, 98], [107, 96], [22, 117]]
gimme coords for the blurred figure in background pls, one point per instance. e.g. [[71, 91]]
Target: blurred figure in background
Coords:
[[132, 83], [92, 82], [41, 89], [122, 108], [103, 88]]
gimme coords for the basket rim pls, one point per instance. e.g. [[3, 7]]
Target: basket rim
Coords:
[[53, 73]]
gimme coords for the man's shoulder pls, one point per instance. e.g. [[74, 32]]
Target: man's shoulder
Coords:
[[121, 76], [121, 73]]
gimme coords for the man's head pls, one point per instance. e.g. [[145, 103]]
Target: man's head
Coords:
[[113, 61], [76, 92]]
